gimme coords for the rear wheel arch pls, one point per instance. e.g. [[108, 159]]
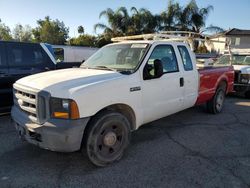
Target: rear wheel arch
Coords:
[[222, 84], [215, 105]]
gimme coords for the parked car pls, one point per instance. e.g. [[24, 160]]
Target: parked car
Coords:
[[73, 54], [121, 87], [241, 64], [18, 59]]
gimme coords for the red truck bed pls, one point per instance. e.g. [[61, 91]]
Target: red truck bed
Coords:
[[211, 78]]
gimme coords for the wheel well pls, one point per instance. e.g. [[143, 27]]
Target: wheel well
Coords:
[[124, 109], [223, 83]]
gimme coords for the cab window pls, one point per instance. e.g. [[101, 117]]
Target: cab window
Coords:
[[223, 60], [59, 54], [167, 57], [186, 59], [25, 54]]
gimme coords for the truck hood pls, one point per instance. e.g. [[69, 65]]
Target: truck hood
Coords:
[[245, 69], [67, 78]]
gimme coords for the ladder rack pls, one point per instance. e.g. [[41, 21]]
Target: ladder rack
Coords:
[[177, 36], [164, 35]]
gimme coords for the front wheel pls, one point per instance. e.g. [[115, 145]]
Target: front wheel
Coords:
[[107, 137], [215, 105]]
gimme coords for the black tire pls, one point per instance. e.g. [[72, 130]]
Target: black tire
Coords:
[[108, 136], [215, 105]]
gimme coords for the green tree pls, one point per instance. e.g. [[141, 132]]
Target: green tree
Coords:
[[83, 40], [102, 40], [193, 18], [51, 31], [22, 33], [143, 21], [118, 22], [5, 33], [170, 17], [80, 29]]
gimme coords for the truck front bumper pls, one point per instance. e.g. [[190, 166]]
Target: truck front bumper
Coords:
[[56, 134]]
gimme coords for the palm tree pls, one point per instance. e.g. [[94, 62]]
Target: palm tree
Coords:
[[212, 29], [193, 18], [170, 17], [143, 21], [118, 21], [80, 29]]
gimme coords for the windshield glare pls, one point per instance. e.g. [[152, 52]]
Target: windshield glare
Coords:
[[236, 60], [118, 57]]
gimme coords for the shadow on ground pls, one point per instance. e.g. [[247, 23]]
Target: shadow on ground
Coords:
[[188, 149]]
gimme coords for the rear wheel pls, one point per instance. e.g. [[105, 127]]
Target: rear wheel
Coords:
[[215, 105], [107, 138]]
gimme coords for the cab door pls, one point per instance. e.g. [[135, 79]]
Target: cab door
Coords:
[[162, 96], [5, 84], [190, 76]]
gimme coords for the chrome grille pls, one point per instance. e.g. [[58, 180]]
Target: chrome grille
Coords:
[[26, 101]]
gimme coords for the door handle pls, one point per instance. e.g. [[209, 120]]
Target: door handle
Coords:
[[181, 82]]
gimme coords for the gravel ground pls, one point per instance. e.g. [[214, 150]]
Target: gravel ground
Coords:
[[188, 149]]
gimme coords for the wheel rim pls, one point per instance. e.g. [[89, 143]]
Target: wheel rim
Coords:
[[220, 100], [110, 141]]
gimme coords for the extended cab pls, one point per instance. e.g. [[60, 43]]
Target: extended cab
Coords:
[[118, 89]]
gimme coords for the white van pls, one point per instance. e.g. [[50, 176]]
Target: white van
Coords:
[[75, 54]]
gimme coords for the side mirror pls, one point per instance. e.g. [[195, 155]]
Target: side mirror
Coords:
[[153, 71], [158, 68]]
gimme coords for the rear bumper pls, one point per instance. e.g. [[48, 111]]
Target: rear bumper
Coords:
[[241, 88], [56, 134]]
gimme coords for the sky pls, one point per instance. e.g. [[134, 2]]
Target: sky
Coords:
[[226, 14]]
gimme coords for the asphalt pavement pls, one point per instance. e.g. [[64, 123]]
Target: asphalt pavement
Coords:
[[189, 149]]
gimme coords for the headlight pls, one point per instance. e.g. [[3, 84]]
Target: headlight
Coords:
[[244, 78], [63, 108]]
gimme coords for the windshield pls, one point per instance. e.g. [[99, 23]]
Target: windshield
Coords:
[[118, 57], [236, 60]]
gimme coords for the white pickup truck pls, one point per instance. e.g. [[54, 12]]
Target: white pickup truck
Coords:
[[121, 87], [240, 60]]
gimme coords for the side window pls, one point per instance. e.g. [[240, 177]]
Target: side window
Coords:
[[247, 60], [59, 54], [166, 54], [186, 59], [21, 54], [223, 60]]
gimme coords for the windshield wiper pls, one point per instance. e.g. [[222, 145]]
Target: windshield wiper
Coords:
[[103, 68]]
